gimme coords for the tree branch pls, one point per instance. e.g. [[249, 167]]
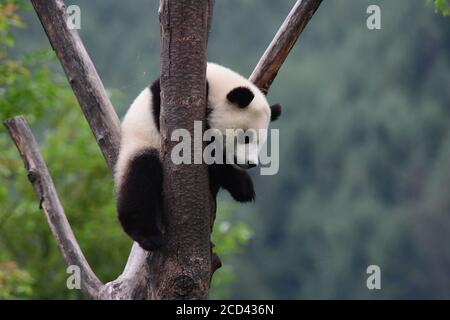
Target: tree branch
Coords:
[[133, 283], [99, 113], [48, 201], [82, 76], [104, 124], [275, 55]]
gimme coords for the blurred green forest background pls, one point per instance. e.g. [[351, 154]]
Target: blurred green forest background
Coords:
[[364, 157]]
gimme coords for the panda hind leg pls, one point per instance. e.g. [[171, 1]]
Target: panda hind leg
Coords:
[[139, 200]]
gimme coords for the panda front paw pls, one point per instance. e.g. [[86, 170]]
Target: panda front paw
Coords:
[[242, 189]]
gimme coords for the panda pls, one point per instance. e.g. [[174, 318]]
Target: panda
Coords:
[[233, 102]]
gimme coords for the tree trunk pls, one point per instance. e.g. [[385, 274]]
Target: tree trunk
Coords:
[[182, 269]]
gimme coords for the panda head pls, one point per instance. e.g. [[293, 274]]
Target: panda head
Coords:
[[241, 112]]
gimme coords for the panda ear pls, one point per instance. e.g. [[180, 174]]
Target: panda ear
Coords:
[[241, 96], [275, 112]]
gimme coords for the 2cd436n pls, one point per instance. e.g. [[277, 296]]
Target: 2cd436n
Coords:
[[246, 309]]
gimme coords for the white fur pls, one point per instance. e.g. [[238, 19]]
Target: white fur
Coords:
[[139, 131], [227, 115]]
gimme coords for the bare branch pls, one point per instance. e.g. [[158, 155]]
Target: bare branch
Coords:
[[48, 201], [82, 76], [274, 56], [102, 119]]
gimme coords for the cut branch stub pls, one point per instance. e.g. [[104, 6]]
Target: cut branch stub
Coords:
[[275, 55]]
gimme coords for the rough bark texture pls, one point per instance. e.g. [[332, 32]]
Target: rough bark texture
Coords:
[[134, 282], [82, 76], [274, 56], [39, 177], [182, 269]]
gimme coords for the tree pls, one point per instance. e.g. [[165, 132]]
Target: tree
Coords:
[[146, 275]]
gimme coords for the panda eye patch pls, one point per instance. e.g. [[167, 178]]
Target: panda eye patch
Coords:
[[241, 96]]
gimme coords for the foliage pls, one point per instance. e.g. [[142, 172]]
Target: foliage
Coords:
[[14, 283], [8, 18], [29, 87], [441, 5], [229, 235]]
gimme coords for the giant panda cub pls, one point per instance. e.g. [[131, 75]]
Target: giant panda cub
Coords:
[[233, 102]]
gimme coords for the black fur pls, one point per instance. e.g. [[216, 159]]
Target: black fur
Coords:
[[155, 88], [275, 112], [237, 182], [139, 200], [241, 96]]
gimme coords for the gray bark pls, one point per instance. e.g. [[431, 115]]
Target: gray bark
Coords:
[[274, 56], [39, 177], [82, 76]]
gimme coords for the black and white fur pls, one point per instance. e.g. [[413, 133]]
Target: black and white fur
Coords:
[[233, 102]]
